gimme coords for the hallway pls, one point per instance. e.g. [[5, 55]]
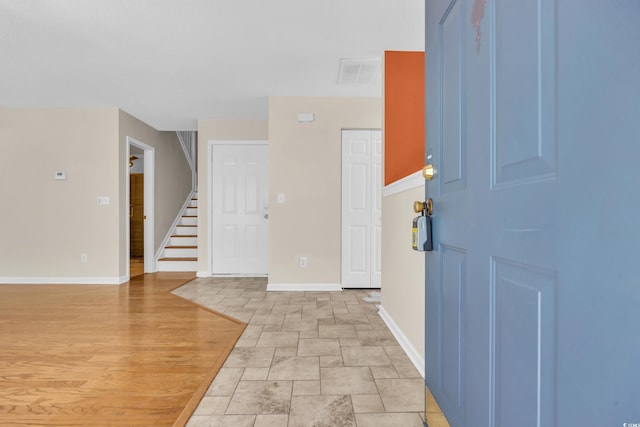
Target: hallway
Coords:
[[307, 358]]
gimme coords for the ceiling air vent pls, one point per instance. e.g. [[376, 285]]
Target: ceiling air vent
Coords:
[[355, 71]]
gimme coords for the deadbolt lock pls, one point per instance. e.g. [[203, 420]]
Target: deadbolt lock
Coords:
[[428, 172]]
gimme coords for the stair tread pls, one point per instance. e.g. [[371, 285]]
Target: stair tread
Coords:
[[186, 245]]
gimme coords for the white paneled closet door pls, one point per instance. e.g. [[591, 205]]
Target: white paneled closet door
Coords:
[[361, 208]]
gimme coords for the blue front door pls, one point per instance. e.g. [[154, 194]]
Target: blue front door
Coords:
[[533, 287]]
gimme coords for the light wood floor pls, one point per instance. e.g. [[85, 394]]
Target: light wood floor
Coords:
[[128, 355], [136, 266]]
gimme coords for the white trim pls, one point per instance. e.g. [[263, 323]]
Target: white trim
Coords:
[[64, 280], [315, 287], [412, 353], [150, 261], [239, 275], [209, 212], [238, 142], [407, 183], [171, 230], [203, 274]]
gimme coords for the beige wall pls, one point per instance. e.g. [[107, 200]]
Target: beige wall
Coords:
[[172, 179], [46, 224], [403, 268], [305, 165], [217, 130]]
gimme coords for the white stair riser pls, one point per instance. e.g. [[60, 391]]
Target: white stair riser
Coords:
[[189, 220], [183, 241], [193, 204], [191, 211], [177, 265], [180, 252], [181, 231]]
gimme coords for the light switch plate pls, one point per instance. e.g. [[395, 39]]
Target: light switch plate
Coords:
[[103, 200]]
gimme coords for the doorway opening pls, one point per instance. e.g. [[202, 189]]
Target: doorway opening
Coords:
[[136, 211], [140, 207]]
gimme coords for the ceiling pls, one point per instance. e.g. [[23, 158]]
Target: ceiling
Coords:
[[172, 62]]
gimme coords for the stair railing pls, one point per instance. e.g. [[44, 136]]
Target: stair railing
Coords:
[[189, 141]]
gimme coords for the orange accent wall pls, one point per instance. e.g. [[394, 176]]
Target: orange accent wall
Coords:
[[403, 114]]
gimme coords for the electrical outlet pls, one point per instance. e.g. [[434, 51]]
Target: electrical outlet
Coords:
[[84, 258], [303, 262]]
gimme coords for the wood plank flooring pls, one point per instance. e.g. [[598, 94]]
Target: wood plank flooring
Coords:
[[128, 355], [136, 266]]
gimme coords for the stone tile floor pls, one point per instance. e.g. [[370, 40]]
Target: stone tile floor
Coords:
[[323, 359]]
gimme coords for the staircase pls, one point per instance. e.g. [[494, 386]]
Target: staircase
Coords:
[[181, 252]]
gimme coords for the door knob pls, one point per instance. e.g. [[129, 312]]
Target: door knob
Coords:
[[419, 207], [428, 172]]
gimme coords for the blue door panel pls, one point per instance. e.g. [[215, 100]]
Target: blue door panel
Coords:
[[523, 343], [451, 35], [452, 290], [523, 92]]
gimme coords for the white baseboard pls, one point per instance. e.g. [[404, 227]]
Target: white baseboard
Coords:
[[64, 280], [313, 287], [414, 355], [207, 274], [239, 275]]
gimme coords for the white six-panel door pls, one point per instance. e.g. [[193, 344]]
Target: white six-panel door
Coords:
[[361, 208], [239, 231]]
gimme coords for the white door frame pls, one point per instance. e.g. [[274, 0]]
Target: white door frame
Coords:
[[210, 193], [150, 265]]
